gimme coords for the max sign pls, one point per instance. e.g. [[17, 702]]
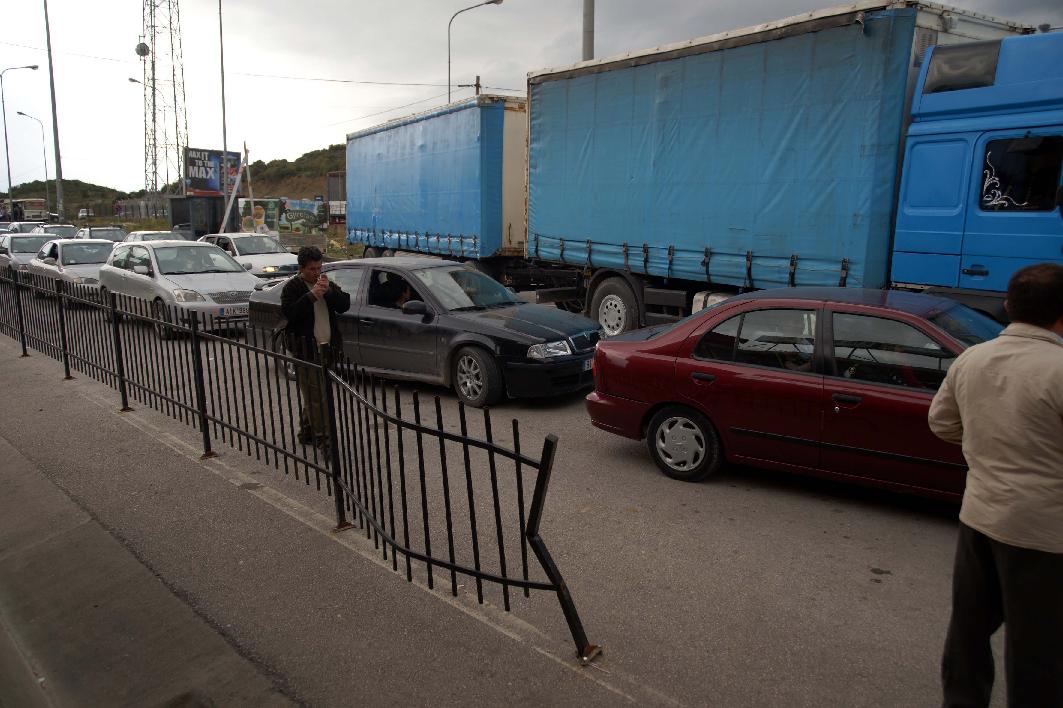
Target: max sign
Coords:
[[203, 172]]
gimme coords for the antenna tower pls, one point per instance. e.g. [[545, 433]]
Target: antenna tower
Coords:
[[163, 79]]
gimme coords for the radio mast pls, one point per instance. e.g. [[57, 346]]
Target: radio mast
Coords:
[[163, 79]]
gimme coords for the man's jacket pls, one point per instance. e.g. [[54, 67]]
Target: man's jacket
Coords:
[[297, 305]]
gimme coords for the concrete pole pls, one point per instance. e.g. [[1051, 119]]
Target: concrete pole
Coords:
[[588, 30], [224, 139], [55, 121]]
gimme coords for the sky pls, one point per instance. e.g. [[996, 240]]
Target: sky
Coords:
[[100, 113]]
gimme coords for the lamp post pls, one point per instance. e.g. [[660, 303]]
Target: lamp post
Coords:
[[471, 7], [44, 154], [7, 152]]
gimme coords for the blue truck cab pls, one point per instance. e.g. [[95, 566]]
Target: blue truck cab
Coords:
[[980, 191]]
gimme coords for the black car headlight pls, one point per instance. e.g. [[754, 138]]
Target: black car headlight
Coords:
[[549, 350]]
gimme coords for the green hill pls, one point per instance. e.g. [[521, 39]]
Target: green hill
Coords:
[[76, 194]]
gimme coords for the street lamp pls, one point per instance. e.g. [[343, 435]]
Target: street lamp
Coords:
[[471, 7], [44, 154], [7, 152]]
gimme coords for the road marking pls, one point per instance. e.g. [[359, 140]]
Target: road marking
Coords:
[[631, 690]]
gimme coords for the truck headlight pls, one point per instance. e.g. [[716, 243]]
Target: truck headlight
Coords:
[[188, 296], [550, 349]]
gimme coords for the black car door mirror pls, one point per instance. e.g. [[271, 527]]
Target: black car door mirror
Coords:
[[414, 307]]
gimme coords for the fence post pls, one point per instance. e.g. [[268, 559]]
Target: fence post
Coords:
[[15, 278], [61, 307], [119, 364], [333, 436], [584, 649], [201, 389]]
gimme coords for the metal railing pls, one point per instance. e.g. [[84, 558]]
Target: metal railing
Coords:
[[445, 496]]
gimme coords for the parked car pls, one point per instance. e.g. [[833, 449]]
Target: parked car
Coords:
[[151, 236], [56, 230], [833, 382], [454, 327], [191, 276], [23, 227], [85, 213], [113, 234], [260, 254], [17, 249], [75, 261]]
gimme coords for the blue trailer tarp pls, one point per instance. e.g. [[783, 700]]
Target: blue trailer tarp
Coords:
[[785, 148], [432, 183]]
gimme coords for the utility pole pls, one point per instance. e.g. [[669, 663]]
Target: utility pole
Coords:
[[224, 142], [55, 120], [588, 30]]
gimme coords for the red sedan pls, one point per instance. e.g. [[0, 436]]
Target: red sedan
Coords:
[[833, 382]]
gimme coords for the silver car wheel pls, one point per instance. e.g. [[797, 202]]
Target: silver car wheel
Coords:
[[612, 314], [470, 377], [680, 443]]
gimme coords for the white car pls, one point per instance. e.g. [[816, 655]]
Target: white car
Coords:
[[260, 254], [152, 236], [56, 230], [75, 261], [187, 275]]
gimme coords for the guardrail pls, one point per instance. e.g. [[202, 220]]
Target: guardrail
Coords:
[[402, 472]]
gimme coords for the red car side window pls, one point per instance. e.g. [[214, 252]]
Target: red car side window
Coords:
[[881, 350], [719, 342]]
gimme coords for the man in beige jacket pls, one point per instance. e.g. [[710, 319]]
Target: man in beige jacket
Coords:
[[1003, 401]]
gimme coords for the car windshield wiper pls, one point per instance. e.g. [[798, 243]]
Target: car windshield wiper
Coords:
[[180, 272], [468, 308]]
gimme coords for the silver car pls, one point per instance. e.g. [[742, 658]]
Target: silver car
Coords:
[[188, 275], [152, 236], [113, 234], [260, 254], [56, 230], [17, 250], [75, 261]]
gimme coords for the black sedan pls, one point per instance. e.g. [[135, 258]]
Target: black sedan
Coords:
[[444, 323]]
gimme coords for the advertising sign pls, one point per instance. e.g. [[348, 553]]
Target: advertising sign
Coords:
[[263, 218], [302, 216], [203, 168]]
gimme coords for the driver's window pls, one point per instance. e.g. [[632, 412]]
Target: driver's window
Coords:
[[138, 257], [881, 350], [390, 290]]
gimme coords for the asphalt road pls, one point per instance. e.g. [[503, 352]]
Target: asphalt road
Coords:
[[753, 589]]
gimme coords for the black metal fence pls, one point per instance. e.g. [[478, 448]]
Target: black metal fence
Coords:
[[433, 494]]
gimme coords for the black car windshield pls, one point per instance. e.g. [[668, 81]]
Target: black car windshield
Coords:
[[29, 244], [462, 288], [79, 253], [185, 260], [967, 325], [61, 231], [257, 245], [115, 235]]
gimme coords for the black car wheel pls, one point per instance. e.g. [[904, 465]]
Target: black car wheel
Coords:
[[161, 314], [684, 444], [283, 368], [614, 307], [477, 379]]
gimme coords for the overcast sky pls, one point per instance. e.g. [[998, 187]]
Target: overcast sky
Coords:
[[101, 113]]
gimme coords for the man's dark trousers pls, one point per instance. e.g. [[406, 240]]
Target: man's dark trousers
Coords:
[[996, 583]]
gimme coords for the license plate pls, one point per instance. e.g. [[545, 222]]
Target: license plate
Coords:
[[233, 311], [588, 363]]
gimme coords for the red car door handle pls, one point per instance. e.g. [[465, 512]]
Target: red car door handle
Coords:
[[700, 376], [847, 399]]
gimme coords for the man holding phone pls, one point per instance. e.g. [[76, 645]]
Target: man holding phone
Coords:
[[310, 302]]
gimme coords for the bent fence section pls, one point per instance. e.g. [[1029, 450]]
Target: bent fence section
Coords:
[[443, 498]]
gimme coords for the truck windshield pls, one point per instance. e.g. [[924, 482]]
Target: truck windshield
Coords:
[[967, 325], [465, 289]]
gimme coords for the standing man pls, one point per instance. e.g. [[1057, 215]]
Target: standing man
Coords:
[[310, 302], [1003, 401]]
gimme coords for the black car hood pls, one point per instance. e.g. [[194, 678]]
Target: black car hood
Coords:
[[539, 322]]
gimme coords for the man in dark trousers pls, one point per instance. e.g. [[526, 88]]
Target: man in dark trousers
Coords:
[[1003, 401], [310, 302]]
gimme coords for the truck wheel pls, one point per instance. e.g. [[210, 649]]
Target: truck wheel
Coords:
[[388, 253], [614, 307], [477, 380], [371, 252]]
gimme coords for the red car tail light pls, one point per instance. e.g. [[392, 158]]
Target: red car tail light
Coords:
[[598, 369]]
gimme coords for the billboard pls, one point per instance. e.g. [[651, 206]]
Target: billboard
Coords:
[[264, 217], [203, 176], [302, 216]]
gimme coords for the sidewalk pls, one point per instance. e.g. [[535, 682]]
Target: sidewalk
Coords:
[[132, 573]]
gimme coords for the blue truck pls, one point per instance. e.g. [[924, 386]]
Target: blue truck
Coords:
[[879, 144]]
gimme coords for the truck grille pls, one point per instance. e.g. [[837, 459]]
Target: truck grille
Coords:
[[585, 341], [231, 297]]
